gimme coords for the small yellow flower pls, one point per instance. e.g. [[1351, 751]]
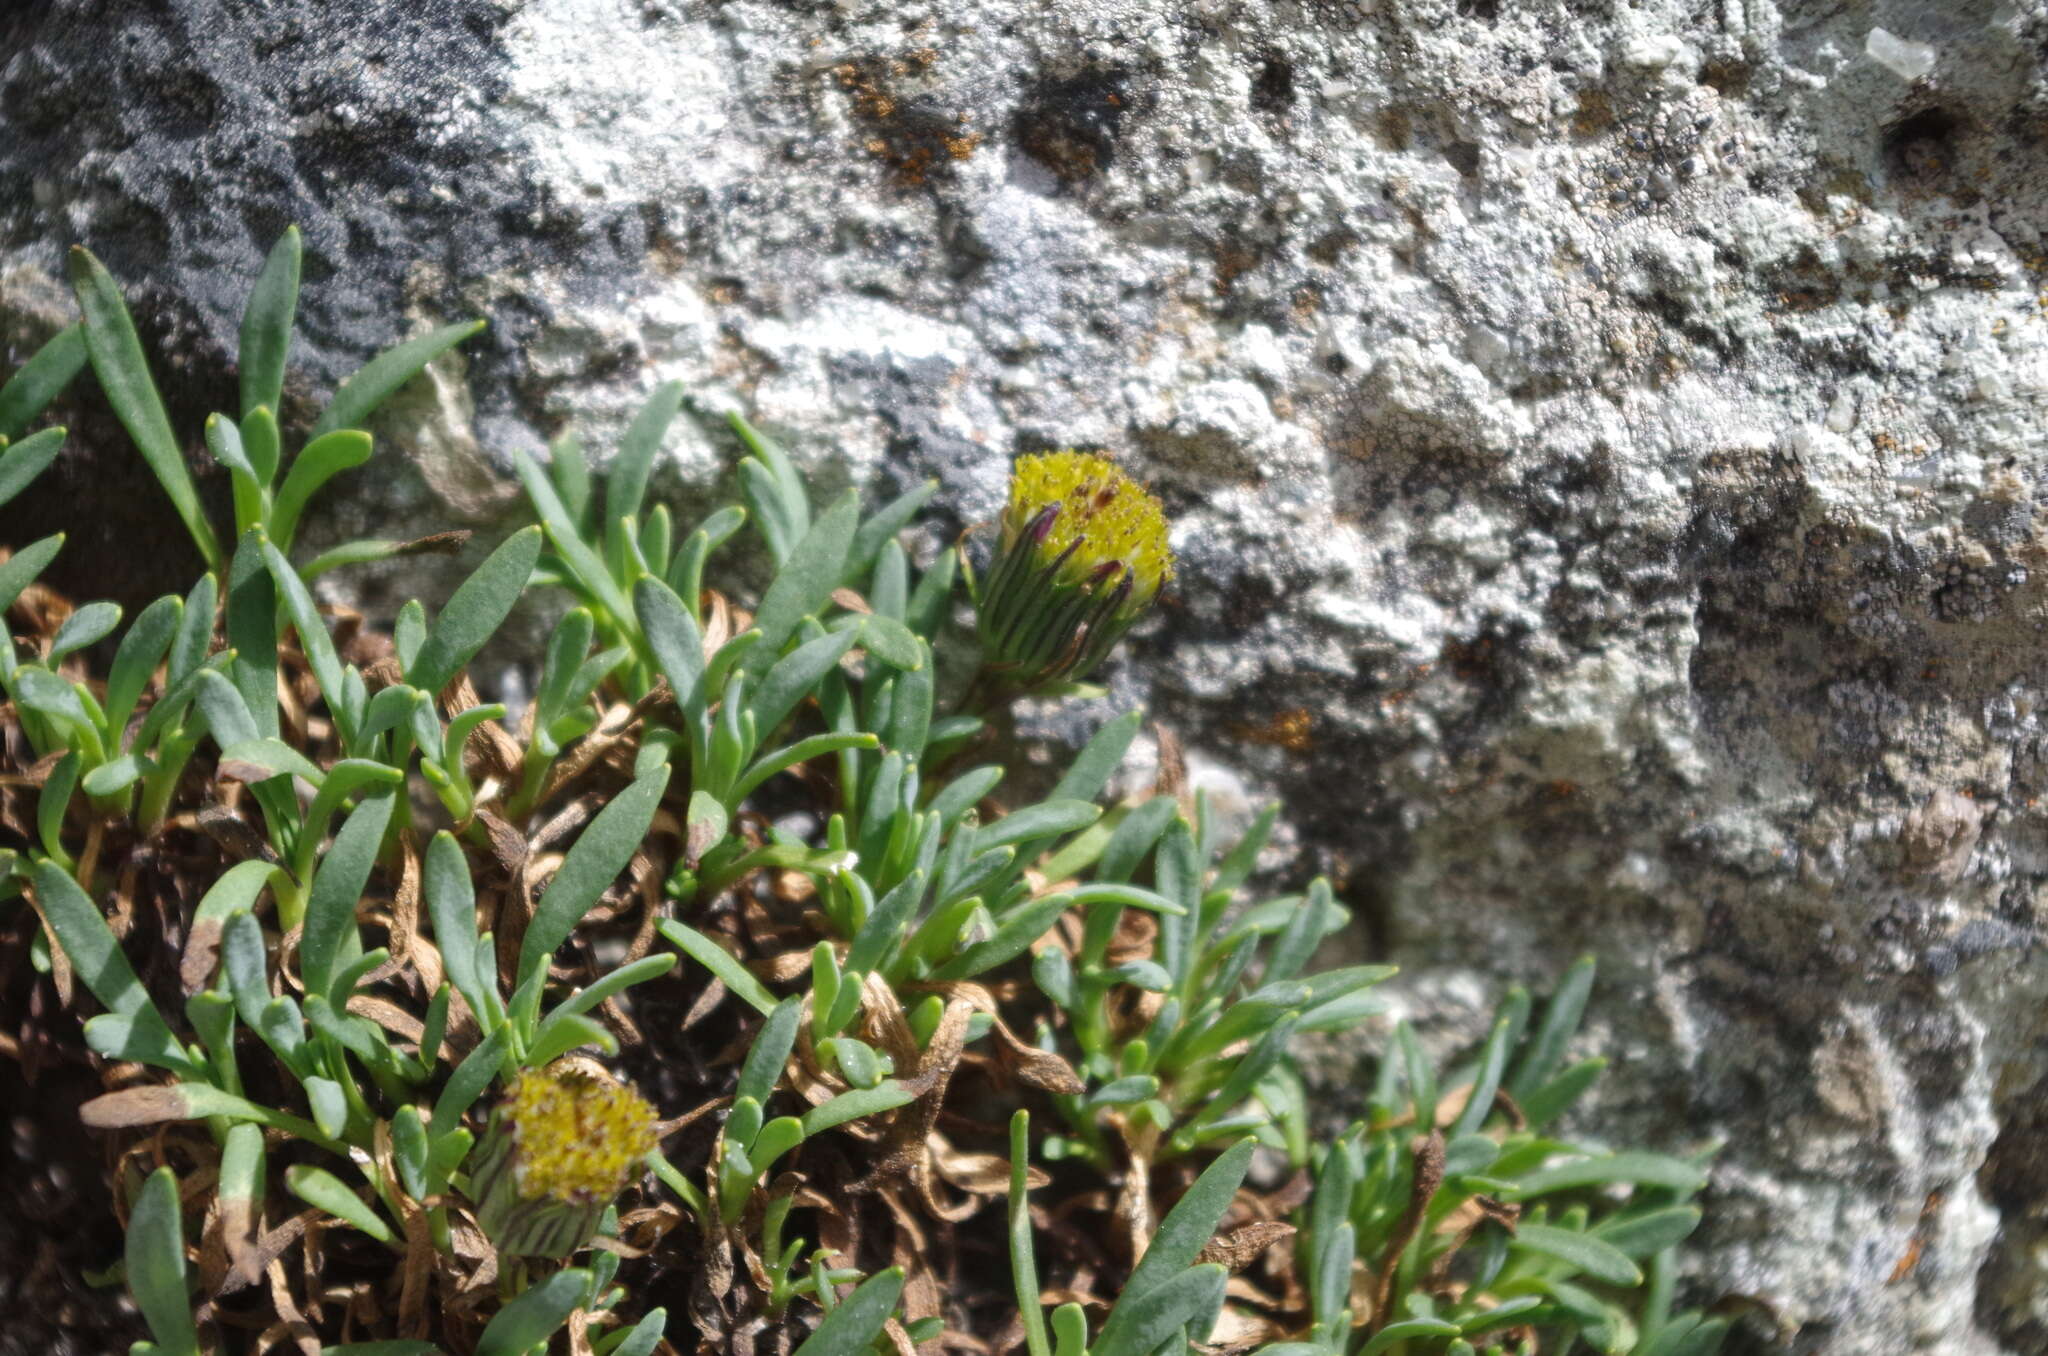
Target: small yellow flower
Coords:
[[1083, 553], [560, 1148], [1095, 517]]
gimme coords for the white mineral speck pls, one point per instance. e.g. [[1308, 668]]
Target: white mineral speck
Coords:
[[1903, 57]]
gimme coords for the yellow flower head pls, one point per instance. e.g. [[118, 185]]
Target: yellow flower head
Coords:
[[575, 1137], [1079, 509], [1083, 553]]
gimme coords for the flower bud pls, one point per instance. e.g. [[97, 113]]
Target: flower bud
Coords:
[[560, 1148], [1082, 554]]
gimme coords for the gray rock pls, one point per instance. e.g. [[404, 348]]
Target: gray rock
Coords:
[[1605, 444]]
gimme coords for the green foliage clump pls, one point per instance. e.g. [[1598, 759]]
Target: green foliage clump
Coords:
[[405, 971]]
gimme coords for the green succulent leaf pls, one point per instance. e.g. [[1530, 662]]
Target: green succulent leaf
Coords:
[[321, 1189], [856, 1321], [626, 482], [123, 372], [330, 941], [536, 1315], [1637, 1167], [1142, 1320], [27, 459], [804, 584], [595, 859], [1582, 1252], [475, 612], [368, 387], [41, 380], [267, 324], [319, 461], [155, 1255], [719, 962], [97, 960]]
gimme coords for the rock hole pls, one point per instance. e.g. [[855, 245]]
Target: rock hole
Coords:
[[1464, 158], [1486, 11], [1273, 87], [1071, 126], [1922, 148]]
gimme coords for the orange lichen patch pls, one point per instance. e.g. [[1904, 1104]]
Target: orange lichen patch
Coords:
[[1288, 730], [910, 140]]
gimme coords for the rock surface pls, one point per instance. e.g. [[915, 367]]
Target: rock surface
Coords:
[[1605, 444]]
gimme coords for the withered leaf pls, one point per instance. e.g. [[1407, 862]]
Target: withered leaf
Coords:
[[1241, 1247]]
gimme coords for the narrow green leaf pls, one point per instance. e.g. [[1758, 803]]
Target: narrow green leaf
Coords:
[[1011, 939], [676, 640], [155, 1255], [1689, 1335], [21, 569], [794, 677], [626, 479], [856, 1321], [27, 459], [642, 1337], [252, 620], [368, 387], [1023, 1256], [1047, 819], [318, 462], [268, 757], [195, 634], [1493, 1058], [476, 611], [1640, 1234], [141, 650], [89, 625], [567, 537], [617, 981], [536, 1315], [892, 642], [566, 1033], [261, 442], [330, 940], [468, 1082], [852, 1106], [805, 582], [1640, 1168], [96, 958], [794, 755], [1583, 1252], [593, 861], [41, 380], [321, 1189], [267, 324], [224, 441], [1099, 759], [1395, 1333], [1142, 1320], [770, 1051], [1190, 1225], [313, 638], [719, 962], [241, 1163], [887, 521], [1545, 1050], [117, 360]]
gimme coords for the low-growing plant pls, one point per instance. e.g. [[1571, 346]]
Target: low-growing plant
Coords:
[[391, 979]]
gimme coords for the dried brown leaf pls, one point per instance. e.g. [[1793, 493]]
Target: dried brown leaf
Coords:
[[1242, 1246]]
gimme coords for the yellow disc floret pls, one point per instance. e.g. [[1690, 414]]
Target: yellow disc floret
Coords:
[[1099, 518], [575, 1137]]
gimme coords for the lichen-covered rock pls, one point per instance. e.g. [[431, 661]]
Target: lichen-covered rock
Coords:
[[1605, 444]]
